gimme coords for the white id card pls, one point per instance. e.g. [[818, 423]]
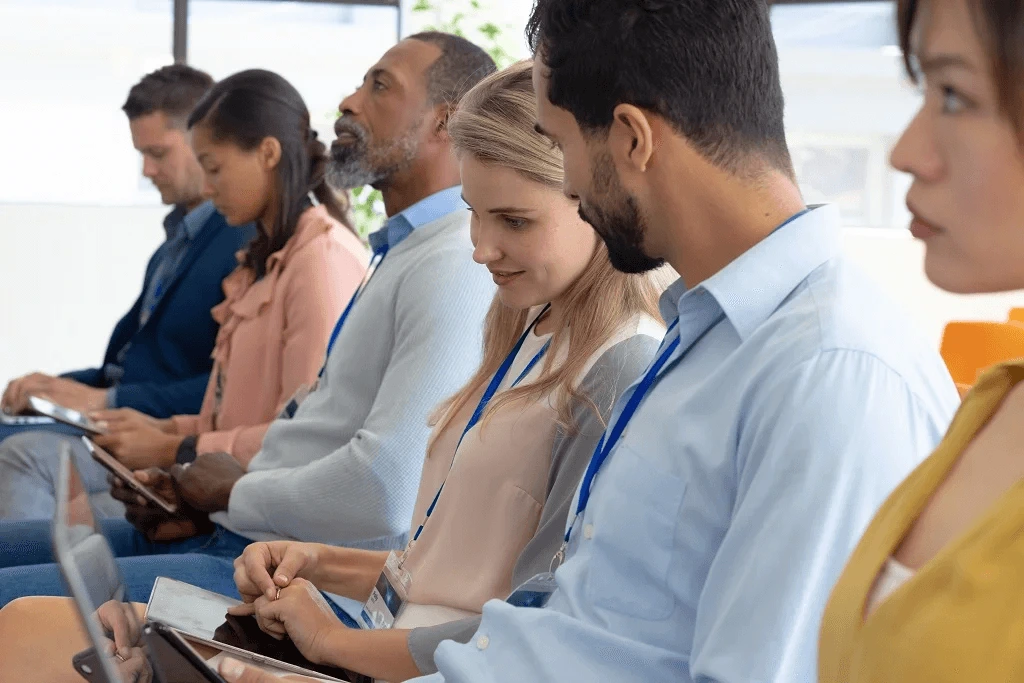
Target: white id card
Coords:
[[534, 592], [388, 596]]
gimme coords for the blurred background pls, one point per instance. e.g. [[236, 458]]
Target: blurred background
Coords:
[[73, 200]]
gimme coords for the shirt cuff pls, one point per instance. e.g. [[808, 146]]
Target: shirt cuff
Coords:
[[186, 451], [112, 397]]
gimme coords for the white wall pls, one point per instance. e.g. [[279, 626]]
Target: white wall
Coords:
[[68, 273]]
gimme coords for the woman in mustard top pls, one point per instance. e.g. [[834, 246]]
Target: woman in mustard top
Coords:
[[935, 590]]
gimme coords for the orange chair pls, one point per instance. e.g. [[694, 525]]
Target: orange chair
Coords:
[[971, 347], [1016, 315]]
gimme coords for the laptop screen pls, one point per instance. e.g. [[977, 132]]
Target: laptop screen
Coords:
[[85, 559]]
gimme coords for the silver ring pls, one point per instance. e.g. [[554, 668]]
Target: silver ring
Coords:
[[120, 657], [278, 596]]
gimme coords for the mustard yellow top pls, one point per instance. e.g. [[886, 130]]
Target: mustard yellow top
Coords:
[[961, 617]]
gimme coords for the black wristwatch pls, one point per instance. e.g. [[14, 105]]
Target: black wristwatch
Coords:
[[187, 451]]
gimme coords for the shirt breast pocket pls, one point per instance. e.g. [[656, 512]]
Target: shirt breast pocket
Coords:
[[634, 539]]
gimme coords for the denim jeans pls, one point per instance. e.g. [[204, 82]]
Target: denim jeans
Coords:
[[29, 468], [205, 561]]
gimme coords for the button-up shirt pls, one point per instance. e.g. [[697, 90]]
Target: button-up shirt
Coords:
[[182, 228], [427, 210], [718, 525]]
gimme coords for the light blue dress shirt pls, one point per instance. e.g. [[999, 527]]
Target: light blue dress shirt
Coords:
[[427, 210], [716, 529]]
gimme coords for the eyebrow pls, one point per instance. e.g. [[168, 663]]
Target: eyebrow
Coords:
[[502, 209], [939, 61], [377, 71]]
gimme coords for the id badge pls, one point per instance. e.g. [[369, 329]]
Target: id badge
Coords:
[[388, 595], [534, 592]]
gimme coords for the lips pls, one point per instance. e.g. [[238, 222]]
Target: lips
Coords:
[[347, 132], [920, 228], [504, 277]]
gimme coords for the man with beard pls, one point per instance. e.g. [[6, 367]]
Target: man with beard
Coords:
[[788, 397], [342, 465]]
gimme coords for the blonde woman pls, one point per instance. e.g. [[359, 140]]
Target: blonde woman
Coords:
[[565, 336], [933, 592]]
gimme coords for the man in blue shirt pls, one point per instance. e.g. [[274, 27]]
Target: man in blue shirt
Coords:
[[158, 360], [788, 398]]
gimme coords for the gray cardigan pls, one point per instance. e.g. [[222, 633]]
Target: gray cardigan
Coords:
[[613, 372], [345, 469]]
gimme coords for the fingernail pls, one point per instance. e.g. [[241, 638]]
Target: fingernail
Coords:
[[281, 580], [231, 669]]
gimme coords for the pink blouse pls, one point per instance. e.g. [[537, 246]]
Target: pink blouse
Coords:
[[273, 334], [492, 500]]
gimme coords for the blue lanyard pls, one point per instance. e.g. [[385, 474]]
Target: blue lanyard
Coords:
[[378, 257], [492, 389], [611, 437]]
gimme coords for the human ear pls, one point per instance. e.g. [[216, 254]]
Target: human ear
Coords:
[[270, 153], [630, 138]]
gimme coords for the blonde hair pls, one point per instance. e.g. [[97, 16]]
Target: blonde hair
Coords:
[[494, 124]]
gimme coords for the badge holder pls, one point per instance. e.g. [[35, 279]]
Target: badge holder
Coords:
[[388, 595], [535, 592]]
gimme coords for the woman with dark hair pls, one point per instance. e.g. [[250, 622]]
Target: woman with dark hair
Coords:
[[933, 591], [262, 165]]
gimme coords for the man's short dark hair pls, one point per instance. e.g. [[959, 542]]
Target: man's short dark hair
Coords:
[[173, 90], [708, 67], [460, 66]]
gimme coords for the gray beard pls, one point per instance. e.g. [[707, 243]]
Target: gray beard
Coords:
[[360, 165]]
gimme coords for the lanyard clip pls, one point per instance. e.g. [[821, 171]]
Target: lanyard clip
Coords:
[[559, 558]]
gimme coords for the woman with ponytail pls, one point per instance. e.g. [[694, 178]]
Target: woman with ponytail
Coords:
[[263, 164]]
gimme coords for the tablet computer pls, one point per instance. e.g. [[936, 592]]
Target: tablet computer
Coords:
[[65, 415], [88, 567], [201, 615], [8, 420], [114, 466]]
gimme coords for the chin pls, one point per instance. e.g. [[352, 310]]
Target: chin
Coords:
[[958, 276], [515, 300]]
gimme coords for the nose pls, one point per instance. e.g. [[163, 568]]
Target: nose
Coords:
[[916, 153], [485, 247], [351, 104], [207, 188], [568, 190], [149, 169]]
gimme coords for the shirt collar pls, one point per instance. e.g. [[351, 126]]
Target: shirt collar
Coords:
[[192, 222], [426, 210], [753, 286]]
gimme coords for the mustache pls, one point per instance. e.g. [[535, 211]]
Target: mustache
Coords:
[[346, 124]]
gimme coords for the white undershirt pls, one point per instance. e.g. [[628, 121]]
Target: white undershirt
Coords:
[[893, 575]]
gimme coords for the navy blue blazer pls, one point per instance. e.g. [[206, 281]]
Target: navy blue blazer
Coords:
[[167, 362]]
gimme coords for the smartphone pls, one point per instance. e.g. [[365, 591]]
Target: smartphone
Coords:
[[173, 659], [124, 474], [65, 415], [87, 664]]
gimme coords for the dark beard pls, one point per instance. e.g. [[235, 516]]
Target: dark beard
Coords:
[[620, 224], [361, 163]]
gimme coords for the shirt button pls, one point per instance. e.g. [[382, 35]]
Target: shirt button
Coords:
[[482, 642], [588, 531]]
